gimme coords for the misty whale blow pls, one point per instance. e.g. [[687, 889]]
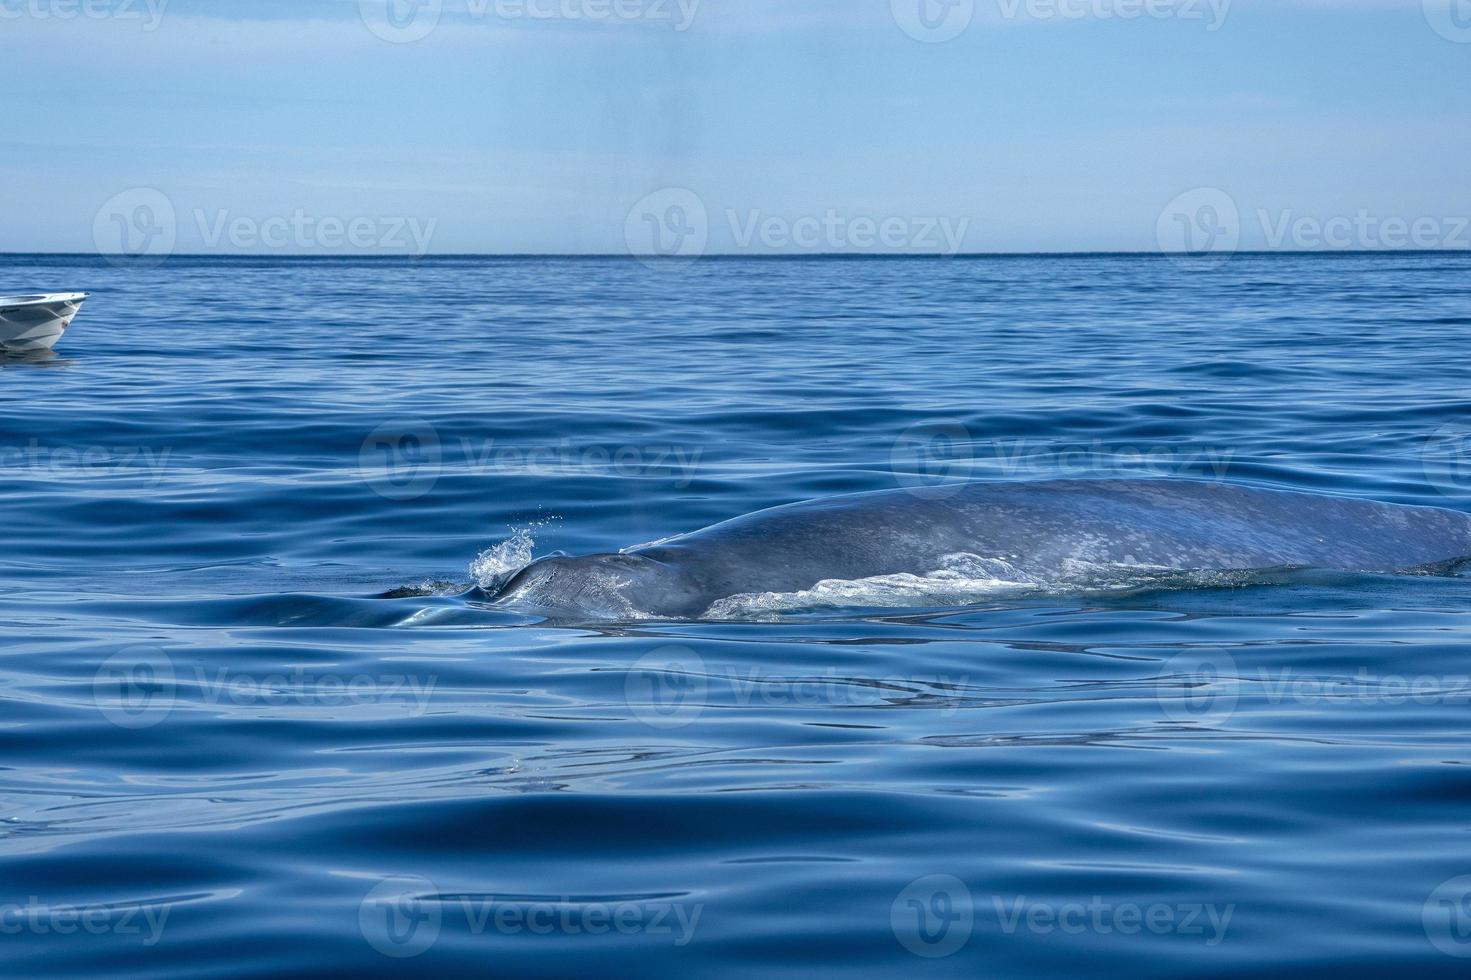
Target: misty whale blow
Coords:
[[1028, 532]]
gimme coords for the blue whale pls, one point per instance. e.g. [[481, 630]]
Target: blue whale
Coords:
[[1040, 534]]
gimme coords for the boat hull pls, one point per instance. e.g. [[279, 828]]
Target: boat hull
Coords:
[[35, 323]]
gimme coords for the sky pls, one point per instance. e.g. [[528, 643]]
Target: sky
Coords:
[[688, 127]]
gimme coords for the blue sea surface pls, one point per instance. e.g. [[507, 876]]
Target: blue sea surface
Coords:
[[256, 721]]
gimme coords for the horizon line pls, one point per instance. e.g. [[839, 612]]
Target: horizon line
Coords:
[[765, 256]]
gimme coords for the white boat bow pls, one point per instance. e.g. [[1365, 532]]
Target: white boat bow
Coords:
[[36, 322]]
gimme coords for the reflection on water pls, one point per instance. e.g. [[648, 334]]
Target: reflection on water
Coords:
[[36, 358]]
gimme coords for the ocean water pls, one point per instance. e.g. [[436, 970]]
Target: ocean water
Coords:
[[255, 720]]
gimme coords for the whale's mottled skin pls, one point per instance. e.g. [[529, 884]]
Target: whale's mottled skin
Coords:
[[1035, 527]]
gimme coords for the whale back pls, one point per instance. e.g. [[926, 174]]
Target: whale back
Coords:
[[1049, 535], [1164, 523]]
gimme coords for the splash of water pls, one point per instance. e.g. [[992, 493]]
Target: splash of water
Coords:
[[493, 566]]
